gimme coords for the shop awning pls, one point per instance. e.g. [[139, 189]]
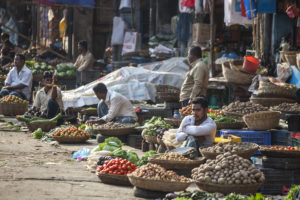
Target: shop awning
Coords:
[[86, 3]]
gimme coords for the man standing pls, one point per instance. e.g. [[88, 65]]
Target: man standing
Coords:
[[197, 129], [113, 107], [85, 60], [196, 79], [19, 80], [48, 100]]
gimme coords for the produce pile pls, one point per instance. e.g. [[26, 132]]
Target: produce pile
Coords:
[[221, 118], [117, 166], [196, 195], [280, 148], [144, 159], [66, 71], [12, 99], [112, 125], [155, 126], [94, 158], [38, 68], [228, 147], [172, 156], [228, 169], [38, 134], [287, 107], [71, 131], [128, 155], [186, 110], [244, 108], [27, 117], [156, 172], [103, 159]]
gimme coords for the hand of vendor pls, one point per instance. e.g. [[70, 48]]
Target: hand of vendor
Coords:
[[96, 121], [8, 87]]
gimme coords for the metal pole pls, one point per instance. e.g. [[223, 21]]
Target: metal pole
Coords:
[[212, 37]]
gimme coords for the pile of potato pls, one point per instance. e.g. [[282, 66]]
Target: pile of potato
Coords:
[[287, 107], [244, 107], [228, 147], [156, 172], [172, 156], [112, 125], [228, 169]]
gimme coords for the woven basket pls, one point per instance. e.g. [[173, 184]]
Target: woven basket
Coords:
[[234, 76], [290, 57], [226, 189], [279, 153], [89, 111], [156, 185], [233, 114], [232, 125], [167, 93], [12, 109], [151, 139], [45, 126], [245, 154], [64, 139], [116, 132], [264, 120], [267, 102], [177, 164], [268, 89], [174, 121], [114, 179]]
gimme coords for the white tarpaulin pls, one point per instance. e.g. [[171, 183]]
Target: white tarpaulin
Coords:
[[134, 83]]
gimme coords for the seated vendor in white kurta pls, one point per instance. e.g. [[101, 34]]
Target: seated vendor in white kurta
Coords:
[[197, 129]]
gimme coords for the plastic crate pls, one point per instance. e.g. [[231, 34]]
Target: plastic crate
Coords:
[[258, 137], [280, 137]]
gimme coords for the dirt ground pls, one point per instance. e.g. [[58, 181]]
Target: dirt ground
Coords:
[[31, 169]]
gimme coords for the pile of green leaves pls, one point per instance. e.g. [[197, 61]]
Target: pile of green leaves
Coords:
[[293, 193], [221, 118], [109, 144], [38, 134], [144, 158], [128, 155], [155, 125]]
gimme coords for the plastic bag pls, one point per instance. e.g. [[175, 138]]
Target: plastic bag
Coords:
[[284, 71], [83, 153]]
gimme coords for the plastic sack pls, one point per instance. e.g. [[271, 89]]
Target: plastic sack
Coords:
[[83, 153], [284, 71], [131, 42], [250, 12], [119, 26]]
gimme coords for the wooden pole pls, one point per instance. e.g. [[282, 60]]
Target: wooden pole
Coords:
[[212, 37], [40, 45]]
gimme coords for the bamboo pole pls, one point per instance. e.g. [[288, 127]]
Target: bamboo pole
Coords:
[[40, 45], [212, 37]]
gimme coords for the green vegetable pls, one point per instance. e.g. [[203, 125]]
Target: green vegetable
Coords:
[[144, 158], [56, 117], [23, 119], [258, 196], [233, 196], [183, 198], [293, 193], [38, 134], [120, 153], [132, 156], [110, 144], [114, 141], [82, 126]]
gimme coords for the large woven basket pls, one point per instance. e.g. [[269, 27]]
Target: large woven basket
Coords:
[[151, 139], [235, 76], [12, 109], [177, 164], [245, 154], [156, 185], [232, 125], [233, 114], [167, 93], [116, 132], [45, 126], [267, 102], [268, 89], [173, 121], [226, 189], [290, 57], [64, 139], [264, 120], [279, 153], [114, 179]]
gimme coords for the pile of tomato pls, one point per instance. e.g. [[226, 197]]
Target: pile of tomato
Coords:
[[283, 148], [71, 131], [186, 110], [117, 166]]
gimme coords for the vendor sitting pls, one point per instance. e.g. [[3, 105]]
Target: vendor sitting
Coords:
[[48, 100], [113, 107], [85, 60], [198, 129]]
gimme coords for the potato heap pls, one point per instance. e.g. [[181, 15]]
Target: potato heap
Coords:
[[156, 172], [228, 147], [112, 125], [287, 107], [244, 107], [172, 156], [12, 99], [228, 169]]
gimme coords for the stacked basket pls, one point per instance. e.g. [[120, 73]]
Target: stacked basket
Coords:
[[264, 120], [12, 109], [167, 93]]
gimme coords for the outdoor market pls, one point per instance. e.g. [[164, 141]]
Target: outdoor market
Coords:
[[130, 99]]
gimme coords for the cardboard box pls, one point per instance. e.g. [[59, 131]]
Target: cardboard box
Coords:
[[201, 32]]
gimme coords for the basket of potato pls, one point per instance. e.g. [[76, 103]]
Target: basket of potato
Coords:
[[11, 105], [228, 173], [175, 161], [244, 149]]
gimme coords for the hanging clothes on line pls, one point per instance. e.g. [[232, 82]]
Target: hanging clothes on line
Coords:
[[184, 9], [232, 15], [183, 27]]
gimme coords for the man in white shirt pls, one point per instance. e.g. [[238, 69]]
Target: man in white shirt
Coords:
[[48, 100], [19, 80], [197, 129], [113, 107]]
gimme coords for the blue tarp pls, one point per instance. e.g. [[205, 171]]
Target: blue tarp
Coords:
[[295, 79], [87, 3], [266, 6]]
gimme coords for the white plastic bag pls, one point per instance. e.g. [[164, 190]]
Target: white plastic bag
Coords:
[[131, 42], [117, 37]]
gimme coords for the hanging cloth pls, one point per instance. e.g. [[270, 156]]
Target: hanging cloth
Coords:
[[183, 27], [231, 16], [188, 3], [243, 9]]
